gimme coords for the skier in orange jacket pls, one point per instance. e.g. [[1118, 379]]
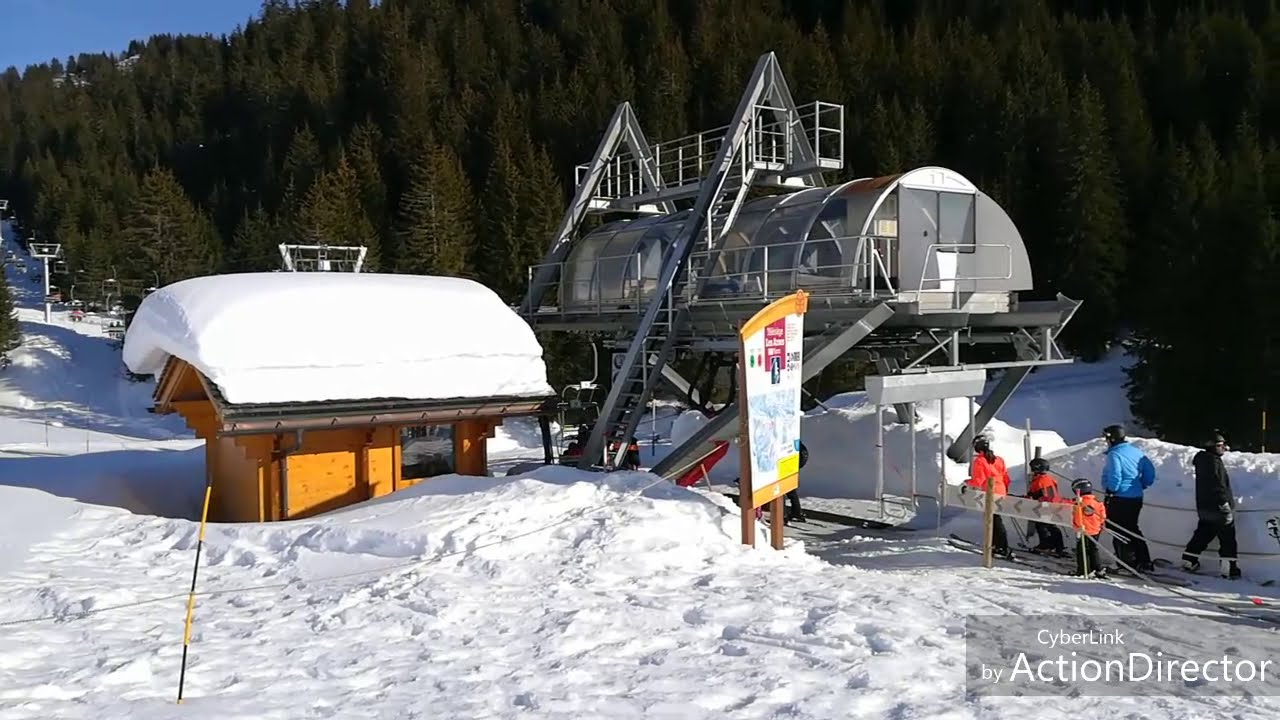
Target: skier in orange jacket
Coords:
[[989, 466], [1044, 487], [1089, 518]]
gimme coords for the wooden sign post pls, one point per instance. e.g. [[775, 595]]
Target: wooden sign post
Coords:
[[770, 353]]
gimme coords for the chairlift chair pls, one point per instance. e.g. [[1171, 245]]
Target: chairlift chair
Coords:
[[579, 405]]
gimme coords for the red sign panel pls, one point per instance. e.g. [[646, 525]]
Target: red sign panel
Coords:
[[775, 349]]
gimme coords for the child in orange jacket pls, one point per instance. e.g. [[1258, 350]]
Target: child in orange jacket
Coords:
[[989, 466], [1089, 518], [1044, 488]]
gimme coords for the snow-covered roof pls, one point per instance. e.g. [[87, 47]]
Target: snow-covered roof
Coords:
[[314, 337]]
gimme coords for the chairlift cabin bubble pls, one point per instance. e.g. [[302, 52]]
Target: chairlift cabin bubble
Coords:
[[910, 237], [911, 270]]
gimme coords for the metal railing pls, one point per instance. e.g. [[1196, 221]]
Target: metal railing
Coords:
[[937, 250], [687, 160], [774, 270], [769, 144], [619, 282], [823, 124], [597, 290]]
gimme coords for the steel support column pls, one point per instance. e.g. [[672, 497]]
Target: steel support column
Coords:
[[962, 449]]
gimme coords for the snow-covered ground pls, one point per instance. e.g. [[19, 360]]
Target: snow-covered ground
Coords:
[[553, 594]]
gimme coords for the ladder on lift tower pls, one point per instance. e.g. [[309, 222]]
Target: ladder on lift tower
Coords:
[[654, 342]]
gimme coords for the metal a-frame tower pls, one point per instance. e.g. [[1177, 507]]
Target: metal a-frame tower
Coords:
[[768, 143]]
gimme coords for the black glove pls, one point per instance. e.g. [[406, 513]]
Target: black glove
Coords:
[[1225, 509]]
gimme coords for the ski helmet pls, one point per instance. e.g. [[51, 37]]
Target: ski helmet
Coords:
[[1082, 486], [981, 443], [1039, 465], [1113, 433]]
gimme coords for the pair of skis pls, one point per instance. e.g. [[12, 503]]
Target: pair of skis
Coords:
[[1064, 565]]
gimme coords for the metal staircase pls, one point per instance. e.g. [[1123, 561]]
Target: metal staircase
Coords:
[[653, 339]]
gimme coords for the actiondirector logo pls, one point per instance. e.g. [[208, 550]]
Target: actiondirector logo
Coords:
[[1162, 654]]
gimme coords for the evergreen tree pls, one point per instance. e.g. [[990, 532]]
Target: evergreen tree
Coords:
[[436, 218], [363, 155], [1091, 237], [497, 258], [1156, 387], [10, 329], [337, 120], [331, 214], [172, 238], [1246, 261], [302, 160], [541, 207], [256, 245]]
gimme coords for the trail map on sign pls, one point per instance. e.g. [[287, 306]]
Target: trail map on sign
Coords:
[[773, 361]]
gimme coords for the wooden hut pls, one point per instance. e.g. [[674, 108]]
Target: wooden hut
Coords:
[[295, 455]]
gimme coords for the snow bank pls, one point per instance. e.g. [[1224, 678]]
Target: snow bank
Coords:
[[1168, 515], [557, 594], [310, 337]]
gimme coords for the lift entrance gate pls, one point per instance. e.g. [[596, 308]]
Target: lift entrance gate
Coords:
[[898, 504]]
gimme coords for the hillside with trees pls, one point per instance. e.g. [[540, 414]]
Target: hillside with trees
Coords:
[[1134, 143]]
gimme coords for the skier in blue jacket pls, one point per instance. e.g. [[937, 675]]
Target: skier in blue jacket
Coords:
[[1127, 474]]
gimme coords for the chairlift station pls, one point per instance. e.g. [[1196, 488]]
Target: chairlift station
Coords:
[[911, 268]]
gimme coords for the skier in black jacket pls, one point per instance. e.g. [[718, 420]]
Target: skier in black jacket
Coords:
[[1215, 504]]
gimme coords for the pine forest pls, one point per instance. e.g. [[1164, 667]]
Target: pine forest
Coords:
[[1136, 144]]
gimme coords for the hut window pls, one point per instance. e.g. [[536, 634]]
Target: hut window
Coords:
[[426, 451]]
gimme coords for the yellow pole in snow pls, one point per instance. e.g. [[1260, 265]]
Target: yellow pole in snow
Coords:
[[191, 596]]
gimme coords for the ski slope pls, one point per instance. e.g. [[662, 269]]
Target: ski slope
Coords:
[[556, 593]]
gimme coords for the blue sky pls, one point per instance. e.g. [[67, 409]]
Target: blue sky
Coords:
[[33, 31]]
